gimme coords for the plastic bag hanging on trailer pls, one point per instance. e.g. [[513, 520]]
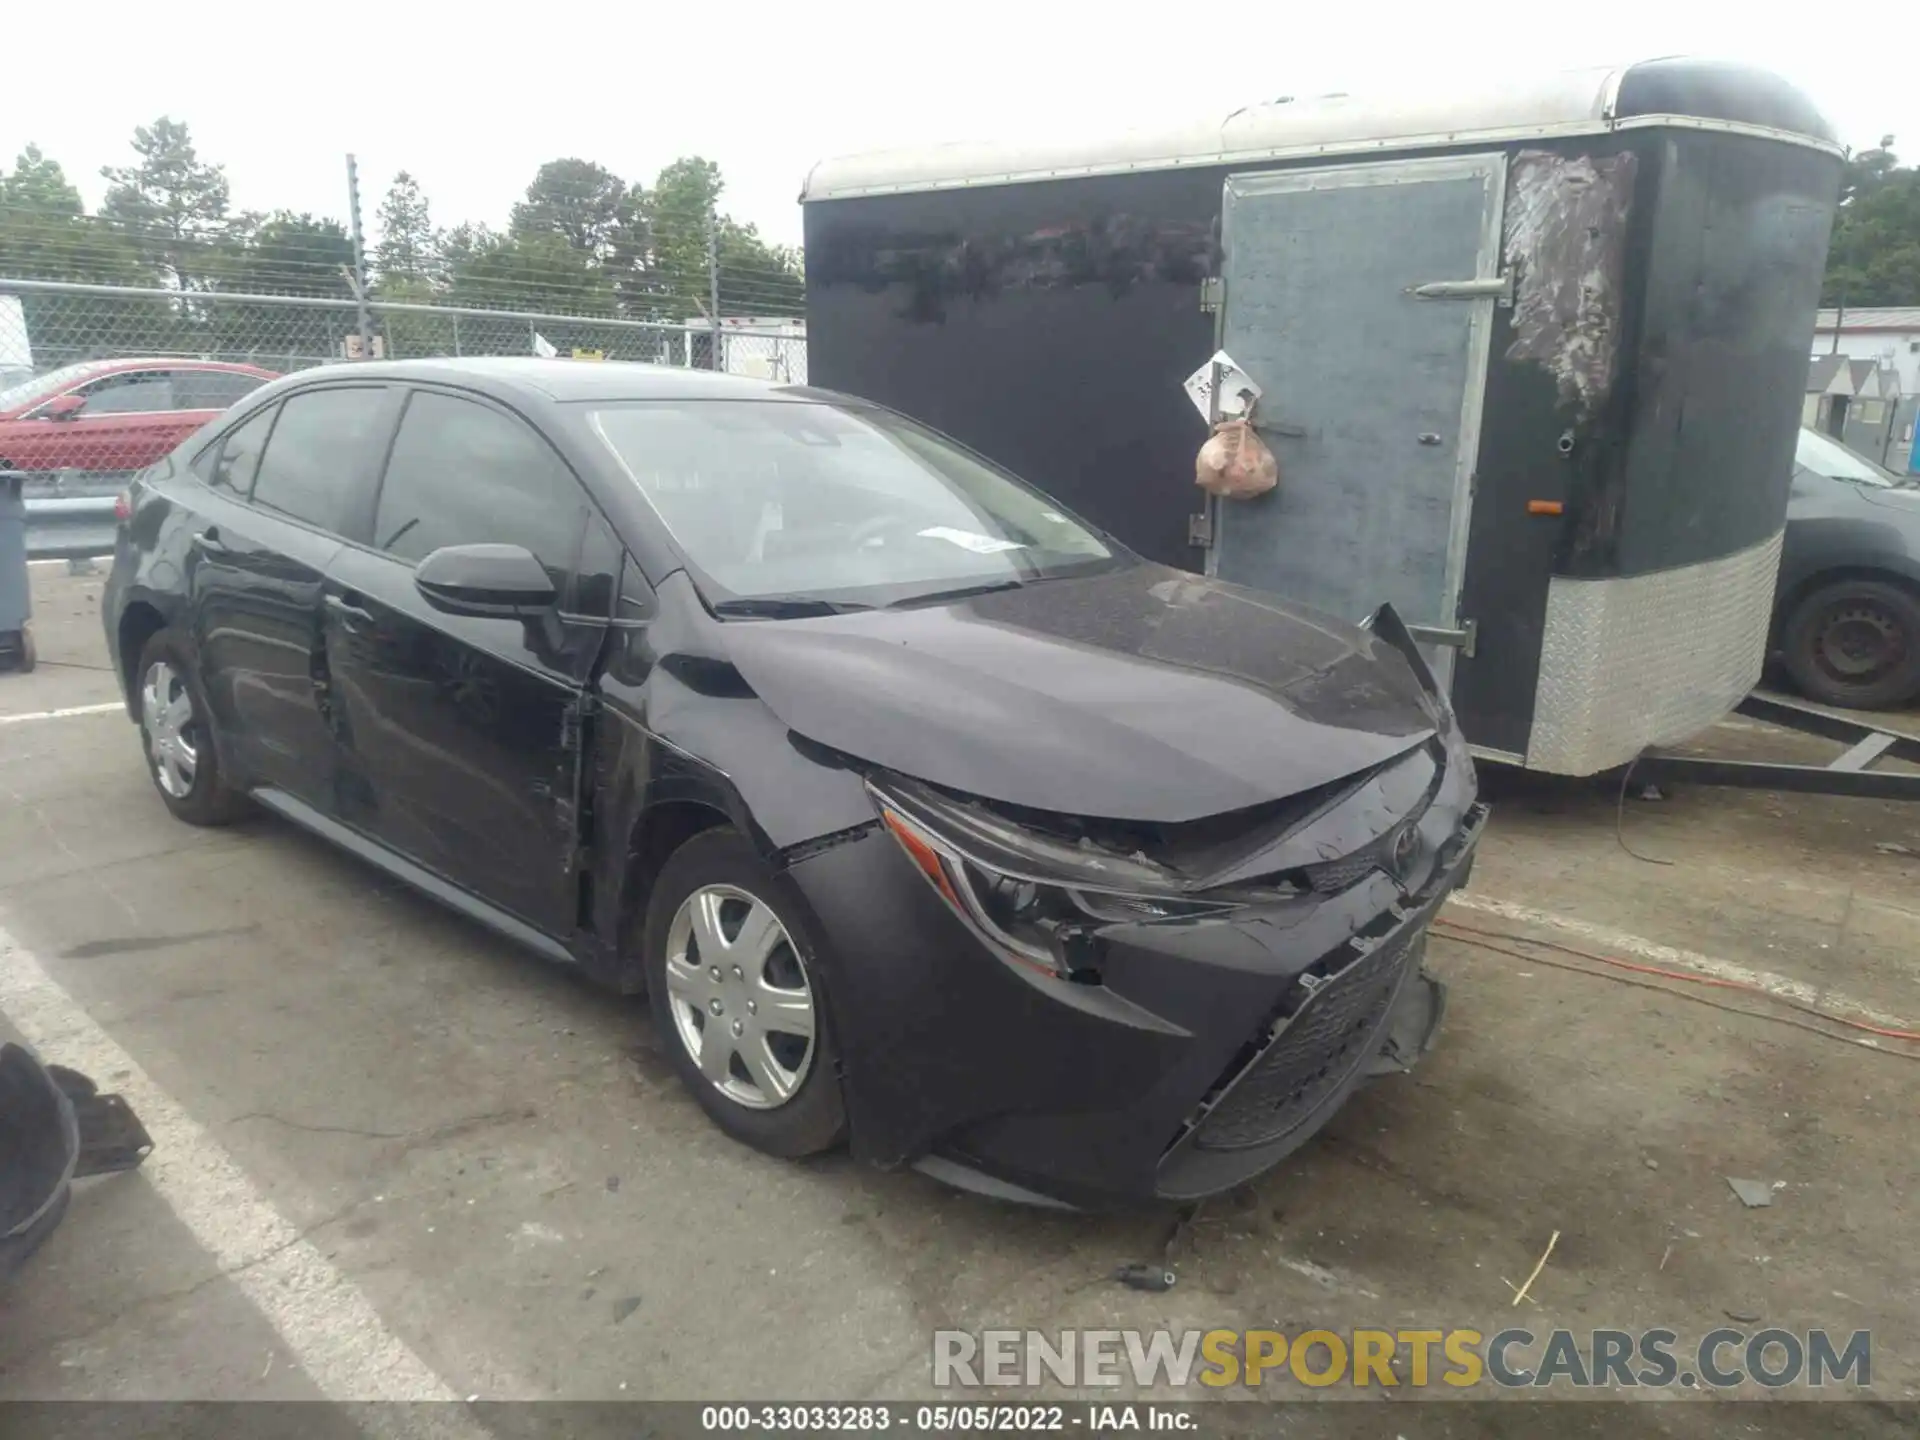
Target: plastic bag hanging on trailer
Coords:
[[1235, 463]]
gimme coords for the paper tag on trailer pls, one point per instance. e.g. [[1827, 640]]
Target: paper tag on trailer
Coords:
[[1237, 388]]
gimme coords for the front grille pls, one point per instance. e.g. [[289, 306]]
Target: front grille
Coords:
[[1334, 1032], [1333, 876]]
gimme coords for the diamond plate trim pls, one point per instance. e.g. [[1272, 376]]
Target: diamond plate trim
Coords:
[[1648, 659]]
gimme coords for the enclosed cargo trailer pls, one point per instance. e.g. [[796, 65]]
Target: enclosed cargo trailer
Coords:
[[1531, 362]]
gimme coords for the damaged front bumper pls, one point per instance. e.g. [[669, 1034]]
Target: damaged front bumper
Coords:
[[1188, 1056], [1077, 1012]]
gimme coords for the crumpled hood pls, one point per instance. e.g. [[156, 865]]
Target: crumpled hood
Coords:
[[1143, 694]]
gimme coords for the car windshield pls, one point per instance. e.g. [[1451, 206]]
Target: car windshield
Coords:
[[45, 384], [1826, 456], [792, 501]]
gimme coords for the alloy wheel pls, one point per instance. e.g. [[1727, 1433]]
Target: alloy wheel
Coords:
[[172, 729], [741, 999]]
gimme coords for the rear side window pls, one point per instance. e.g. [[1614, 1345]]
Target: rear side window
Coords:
[[232, 463], [211, 389], [319, 444], [463, 473]]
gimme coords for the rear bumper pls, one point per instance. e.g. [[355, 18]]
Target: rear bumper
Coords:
[[1208, 1052]]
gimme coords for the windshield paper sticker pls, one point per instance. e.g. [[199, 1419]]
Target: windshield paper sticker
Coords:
[[967, 540]]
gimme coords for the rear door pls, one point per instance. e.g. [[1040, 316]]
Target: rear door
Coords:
[[461, 731], [1361, 298], [282, 481]]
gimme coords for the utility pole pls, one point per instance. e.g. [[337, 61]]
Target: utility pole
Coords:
[[359, 276], [713, 285]]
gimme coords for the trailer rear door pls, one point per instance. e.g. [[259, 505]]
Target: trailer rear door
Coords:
[[1361, 299]]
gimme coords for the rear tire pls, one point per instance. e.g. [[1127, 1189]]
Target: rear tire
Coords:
[[746, 1028], [176, 734], [1856, 644]]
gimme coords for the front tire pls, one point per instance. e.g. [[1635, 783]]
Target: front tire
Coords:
[[1856, 644], [733, 980], [176, 734]]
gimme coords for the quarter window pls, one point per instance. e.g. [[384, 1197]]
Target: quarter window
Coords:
[[234, 460], [462, 473]]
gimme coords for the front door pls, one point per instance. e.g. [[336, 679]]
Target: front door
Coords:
[[460, 732], [1361, 298]]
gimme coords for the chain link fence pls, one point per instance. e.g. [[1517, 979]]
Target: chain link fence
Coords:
[[97, 381]]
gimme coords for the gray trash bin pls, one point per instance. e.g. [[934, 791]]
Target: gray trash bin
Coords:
[[16, 603]]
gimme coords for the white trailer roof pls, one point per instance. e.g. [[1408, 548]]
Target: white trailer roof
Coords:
[[1566, 103]]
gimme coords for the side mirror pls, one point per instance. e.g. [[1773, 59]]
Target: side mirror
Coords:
[[502, 580], [63, 407]]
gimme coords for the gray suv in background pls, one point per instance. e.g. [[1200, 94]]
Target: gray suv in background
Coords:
[[1846, 618]]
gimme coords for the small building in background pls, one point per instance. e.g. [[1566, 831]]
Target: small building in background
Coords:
[[1862, 404], [1890, 336], [1864, 384]]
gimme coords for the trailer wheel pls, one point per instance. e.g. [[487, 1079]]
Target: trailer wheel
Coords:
[[1856, 644]]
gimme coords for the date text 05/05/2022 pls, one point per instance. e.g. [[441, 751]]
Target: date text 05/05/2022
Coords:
[[947, 1419]]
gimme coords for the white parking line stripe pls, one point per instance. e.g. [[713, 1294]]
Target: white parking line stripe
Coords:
[[103, 708], [1653, 953], [330, 1327]]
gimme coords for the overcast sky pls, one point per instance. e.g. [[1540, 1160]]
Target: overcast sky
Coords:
[[472, 99]]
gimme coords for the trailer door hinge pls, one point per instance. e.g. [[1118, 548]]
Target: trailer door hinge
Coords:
[[1200, 530], [1461, 639], [1213, 293]]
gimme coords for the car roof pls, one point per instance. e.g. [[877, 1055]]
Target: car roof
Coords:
[[172, 362], [573, 380]]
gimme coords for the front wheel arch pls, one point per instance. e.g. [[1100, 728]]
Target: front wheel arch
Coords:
[[1785, 604]]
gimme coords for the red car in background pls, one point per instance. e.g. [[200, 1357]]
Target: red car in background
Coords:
[[107, 417]]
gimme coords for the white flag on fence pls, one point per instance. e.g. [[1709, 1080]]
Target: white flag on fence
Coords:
[[543, 347]]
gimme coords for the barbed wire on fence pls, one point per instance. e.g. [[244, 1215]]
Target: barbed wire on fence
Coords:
[[668, 271]]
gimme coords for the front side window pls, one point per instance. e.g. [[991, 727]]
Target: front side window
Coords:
[[319, 445], [44, 387], [463, 473], [136, 392], [772, 498]]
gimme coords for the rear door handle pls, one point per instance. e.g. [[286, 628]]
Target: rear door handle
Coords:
[[209, 541], [350, 614]]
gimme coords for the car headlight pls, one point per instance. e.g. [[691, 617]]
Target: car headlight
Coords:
[[1042, 926]]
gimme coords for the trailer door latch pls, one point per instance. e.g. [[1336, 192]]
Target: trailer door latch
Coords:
[[1200, 530], [1499, 287], [1461, 639]]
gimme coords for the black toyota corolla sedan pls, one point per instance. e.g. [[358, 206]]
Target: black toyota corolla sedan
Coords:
[[930, 818]]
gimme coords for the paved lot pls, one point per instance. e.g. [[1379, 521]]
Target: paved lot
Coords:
[[398, 1157]]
